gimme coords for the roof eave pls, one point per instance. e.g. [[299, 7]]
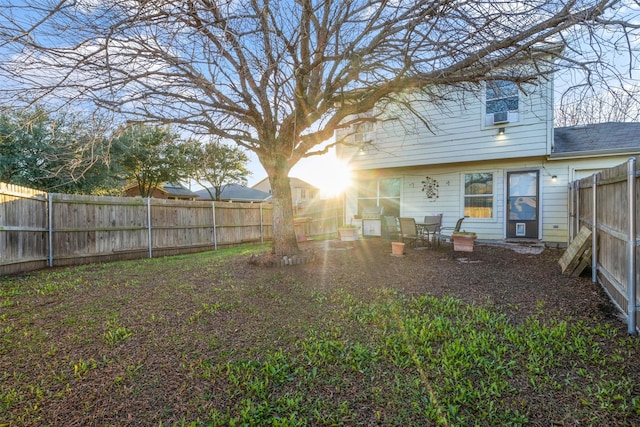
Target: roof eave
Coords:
[[594, 153]]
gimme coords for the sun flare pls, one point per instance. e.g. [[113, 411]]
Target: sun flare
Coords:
[[331, 175]]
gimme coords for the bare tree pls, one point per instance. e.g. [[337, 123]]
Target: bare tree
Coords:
[[279, 77], [617, 105]]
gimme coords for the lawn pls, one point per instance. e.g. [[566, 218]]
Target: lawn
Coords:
[[356, 337]]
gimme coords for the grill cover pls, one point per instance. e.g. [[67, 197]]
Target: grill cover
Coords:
[[373, 212], [372, 221]]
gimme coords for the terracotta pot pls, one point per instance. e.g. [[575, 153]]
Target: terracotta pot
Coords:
[[348, 234], [397, 248], [463, 242]]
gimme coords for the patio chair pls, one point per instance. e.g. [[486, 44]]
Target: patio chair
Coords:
[[390, 227], [409, 233], [448, 231], [431, 227]]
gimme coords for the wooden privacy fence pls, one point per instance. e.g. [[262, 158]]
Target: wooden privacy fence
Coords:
[[39, 229], [606, 203]]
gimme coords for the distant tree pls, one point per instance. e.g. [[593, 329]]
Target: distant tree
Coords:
[[218, 165], [280, 77], [60, 153], [152, 155], [615, 105]]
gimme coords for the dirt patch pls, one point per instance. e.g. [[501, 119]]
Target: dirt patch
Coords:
[[126, 347], [519, 280]]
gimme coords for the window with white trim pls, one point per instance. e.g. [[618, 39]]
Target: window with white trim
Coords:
[[478, 195], [501, 102], [363, 132], [383, 192]]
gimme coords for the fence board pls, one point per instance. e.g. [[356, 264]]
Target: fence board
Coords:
[[611, 228], [23, 226], [88, 229], [96, 225], [98, 228], [573, 255]]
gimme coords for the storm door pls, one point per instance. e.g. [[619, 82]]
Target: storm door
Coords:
[[523, 204]]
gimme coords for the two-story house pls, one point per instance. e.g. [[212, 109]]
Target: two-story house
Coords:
[[302, 193], [489, 155]]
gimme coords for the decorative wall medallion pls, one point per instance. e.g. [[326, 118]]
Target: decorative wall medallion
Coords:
[[430, 188]]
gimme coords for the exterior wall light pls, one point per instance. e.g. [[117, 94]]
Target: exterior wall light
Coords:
[[501, 131], [554, 178]]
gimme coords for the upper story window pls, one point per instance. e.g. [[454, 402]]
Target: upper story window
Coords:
[[363, 132], [502, 98]]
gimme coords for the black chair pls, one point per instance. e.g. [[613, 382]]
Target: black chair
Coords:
[[409, 233], [390, 227], [451, 230]]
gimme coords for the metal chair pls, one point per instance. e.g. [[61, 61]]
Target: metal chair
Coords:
[[451, 230], [431, 227], [390, 227], [409, 233]]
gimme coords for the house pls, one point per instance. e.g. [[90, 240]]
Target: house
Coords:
[[492, 156], [236, 193], [302, 193], [165, 191]]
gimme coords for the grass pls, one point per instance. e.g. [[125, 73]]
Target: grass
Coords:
[[188, 340]]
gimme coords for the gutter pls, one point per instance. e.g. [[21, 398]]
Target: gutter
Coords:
[[594, 153]]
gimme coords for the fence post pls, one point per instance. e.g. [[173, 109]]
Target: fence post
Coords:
[[577, 220], [261, 225], [215, 231], [149, 227], [573, 218], [50, 219], [631, 247], [594, 231]]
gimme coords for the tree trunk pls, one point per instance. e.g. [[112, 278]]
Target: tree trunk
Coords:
[[284, 235]]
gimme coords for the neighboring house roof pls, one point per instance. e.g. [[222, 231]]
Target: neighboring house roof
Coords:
[[177, 190], [237, 193], [171, 189], [596, 139]]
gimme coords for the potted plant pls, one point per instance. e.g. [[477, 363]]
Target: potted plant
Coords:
[[348, 232], [463, 241]]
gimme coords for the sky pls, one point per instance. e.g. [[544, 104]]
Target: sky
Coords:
[[325, 172]]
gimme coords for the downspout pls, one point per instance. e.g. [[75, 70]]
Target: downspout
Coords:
[[631, 247]]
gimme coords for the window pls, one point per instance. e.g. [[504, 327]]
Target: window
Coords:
[[362, 133], [303, 193], [502, 96], [384, 192], [478, 195]]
